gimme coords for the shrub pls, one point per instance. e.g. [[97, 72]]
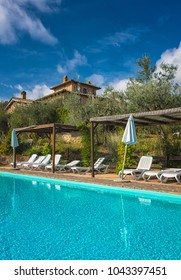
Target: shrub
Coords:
[[6, 148], [130, 156], [86, 144], [61, 115], [46, 149], [35, 150]]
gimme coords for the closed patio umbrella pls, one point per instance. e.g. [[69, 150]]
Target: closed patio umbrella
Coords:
[[129, 138], [14, 144]]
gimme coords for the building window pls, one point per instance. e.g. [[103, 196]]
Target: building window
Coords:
[[84, 90]]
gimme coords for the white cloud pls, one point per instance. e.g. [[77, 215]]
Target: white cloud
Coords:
[[71, 64], [37, 92], [78, 59], [96, 79], [6, 85], [19, 87], [119, 38], [172, 56], [100, 80], [16, 18], [42, 5], [61, 69], [119, 84]]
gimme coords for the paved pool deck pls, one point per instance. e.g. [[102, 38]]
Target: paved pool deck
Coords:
[[110, 179]]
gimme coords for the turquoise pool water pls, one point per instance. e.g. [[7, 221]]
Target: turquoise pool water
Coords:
[[51, 219]]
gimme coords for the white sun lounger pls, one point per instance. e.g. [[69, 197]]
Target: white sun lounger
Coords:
[[42, 164], [144, 164], [67, 166], [147, 175], [37, 161], [31, 160], [57, 160], [171, 174], [98, 167]]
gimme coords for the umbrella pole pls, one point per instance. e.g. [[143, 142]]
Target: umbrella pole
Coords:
[[14, 158], [125, 151]]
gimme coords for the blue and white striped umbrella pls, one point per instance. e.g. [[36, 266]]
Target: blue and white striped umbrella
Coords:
[[14, 144], [129, 137]]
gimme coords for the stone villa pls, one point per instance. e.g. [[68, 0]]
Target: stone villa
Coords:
[[84, 90]]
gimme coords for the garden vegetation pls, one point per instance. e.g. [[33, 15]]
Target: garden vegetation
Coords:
[[149, 90]]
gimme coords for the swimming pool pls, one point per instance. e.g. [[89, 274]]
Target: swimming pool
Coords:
[[52, 219]]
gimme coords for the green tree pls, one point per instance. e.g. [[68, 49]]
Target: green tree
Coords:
[[152, 91], [6, 148], [86, 144], [147, 70], [111, 102], [3, 121], [61, 115], [35, 113]]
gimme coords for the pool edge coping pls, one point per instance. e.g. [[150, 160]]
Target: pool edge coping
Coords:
[[95, 186]]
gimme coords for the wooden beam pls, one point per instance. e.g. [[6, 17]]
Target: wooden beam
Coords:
[[171, 118], [150, 120]]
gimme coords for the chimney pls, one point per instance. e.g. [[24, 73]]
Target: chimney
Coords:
[[65, 79], [23, 94]]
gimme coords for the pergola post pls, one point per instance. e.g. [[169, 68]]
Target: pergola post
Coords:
[[53, 148], [92, 148]]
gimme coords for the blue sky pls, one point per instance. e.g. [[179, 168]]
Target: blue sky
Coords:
[[97, 40]]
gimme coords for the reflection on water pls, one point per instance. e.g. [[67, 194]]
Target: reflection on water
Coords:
[[57, 187], [124, 229], [145, 201]]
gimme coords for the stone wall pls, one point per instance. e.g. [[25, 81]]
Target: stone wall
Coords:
[[6, 160], [71, 138]]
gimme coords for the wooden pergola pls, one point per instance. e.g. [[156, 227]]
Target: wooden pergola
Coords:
[[151, 118], [52, 129]]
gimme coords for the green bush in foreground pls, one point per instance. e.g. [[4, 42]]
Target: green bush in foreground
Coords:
[[130, 156]]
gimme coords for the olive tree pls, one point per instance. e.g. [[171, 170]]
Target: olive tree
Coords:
[[155, 90]]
